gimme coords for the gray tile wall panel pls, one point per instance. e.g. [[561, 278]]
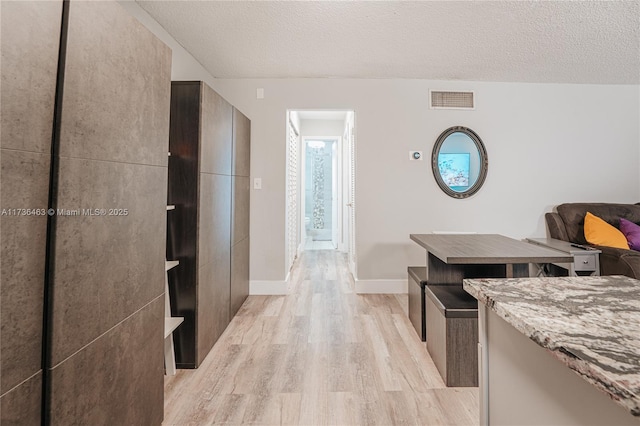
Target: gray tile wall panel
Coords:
[[118, 378], [29, 80], [107, 354], [24, 177], [117, 87], [30, 34], [106, 267], [22, 406]]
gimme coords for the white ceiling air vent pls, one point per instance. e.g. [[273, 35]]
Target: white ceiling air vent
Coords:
[[442, 99]]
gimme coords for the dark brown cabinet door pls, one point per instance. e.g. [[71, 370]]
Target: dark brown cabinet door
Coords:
[[241, 144], [200, 228], [240, 211], [214, 204], [239, 275]]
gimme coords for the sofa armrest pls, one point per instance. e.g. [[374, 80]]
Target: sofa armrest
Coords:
[[556, 227], [615, 261]]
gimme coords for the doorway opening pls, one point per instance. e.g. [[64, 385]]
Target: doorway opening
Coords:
[[320, 206], [320, 182]]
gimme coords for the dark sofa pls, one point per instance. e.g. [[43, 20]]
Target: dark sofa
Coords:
[[567, 224]]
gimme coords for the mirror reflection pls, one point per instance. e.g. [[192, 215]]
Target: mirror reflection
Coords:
[[459, 162]]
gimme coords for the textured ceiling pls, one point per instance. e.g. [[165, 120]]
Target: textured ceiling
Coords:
[[519, 41]]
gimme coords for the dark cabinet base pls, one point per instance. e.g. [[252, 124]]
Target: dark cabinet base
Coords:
[[417, 281], [452, 326]]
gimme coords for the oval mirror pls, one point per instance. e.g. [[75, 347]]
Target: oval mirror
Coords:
[[459, 162]]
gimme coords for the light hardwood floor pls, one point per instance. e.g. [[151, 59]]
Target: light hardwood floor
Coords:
[[321, 355]]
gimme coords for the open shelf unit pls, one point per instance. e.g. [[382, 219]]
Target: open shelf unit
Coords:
[[170, 323]]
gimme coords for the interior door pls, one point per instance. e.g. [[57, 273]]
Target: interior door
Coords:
[[292, 195]]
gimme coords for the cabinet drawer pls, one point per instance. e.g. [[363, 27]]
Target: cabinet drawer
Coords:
[[584, 262]]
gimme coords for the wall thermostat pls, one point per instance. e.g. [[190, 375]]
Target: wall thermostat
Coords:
[[415, 155]]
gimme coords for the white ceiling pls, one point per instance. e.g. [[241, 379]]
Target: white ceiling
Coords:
[[510, 41]]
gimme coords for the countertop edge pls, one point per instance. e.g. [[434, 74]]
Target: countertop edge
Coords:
[[588, 371]]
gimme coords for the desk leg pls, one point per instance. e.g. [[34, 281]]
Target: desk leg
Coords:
[[541, 269], [517, 270], [439, 272]]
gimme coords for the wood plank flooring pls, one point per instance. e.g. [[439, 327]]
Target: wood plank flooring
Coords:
[[321, 355]]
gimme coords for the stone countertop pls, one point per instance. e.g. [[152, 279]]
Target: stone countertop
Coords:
[[591, 324]]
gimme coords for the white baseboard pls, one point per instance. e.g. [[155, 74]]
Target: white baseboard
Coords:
[[268, 288], [399, 286]]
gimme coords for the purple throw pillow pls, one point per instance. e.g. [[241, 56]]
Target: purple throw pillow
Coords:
[[632, 232]]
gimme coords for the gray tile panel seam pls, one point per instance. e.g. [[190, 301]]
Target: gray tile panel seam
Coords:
[[29, 151], [66, 157], [22, 383], [106, 332]]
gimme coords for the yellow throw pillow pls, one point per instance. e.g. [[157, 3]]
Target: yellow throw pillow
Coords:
[[599, 232]]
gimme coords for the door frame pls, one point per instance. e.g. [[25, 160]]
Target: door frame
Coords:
[[347, 188], [349, 191]]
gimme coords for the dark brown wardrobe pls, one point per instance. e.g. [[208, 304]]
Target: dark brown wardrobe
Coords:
[[85, 124], [208, 232]]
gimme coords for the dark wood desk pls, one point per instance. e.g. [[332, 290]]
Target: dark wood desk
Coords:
[[452, 340], [454, 257]]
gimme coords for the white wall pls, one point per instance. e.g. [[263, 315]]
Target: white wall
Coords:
[[311, 127], [547, 144]]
